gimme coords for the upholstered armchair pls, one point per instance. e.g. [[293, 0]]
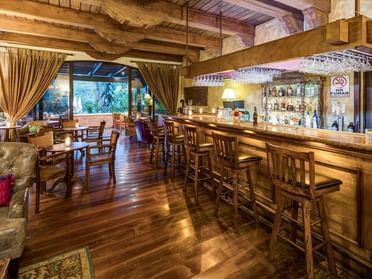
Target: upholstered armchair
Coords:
[[143, 132], [20, 160], [31, 128]]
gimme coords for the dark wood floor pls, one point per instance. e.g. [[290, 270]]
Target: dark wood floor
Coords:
[[146, 227]]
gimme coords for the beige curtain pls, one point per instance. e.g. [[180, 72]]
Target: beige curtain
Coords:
[[24, 77], [163, 80]]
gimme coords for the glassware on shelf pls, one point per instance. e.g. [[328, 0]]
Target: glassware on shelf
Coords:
[[208, 80]]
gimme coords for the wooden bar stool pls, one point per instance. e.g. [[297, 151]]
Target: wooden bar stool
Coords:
[[198, 159], [158, 143], [231, 162], [174, 144], [293, 174]]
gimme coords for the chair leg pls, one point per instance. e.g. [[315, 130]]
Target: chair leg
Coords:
[[37, 198], [13, 269], [166, 159], [306, 207], [113, 172], [157, 153], [331, 259], [196, 181], [236, 202], [252, 183], [188, 162], [210, 171], [87, 175], [110, 170], [294, 215], [276, 227], [152, 152]]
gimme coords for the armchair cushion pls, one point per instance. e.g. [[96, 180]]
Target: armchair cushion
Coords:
[[12, 236]]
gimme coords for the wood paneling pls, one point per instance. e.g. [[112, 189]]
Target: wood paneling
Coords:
[[368, 100], [198, 95]]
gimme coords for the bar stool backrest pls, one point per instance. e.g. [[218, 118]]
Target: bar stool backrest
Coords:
[[226, 149], [293, 172], [169, 130], [191, 137]]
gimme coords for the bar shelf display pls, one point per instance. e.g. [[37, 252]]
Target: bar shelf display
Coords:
[[293, 102]]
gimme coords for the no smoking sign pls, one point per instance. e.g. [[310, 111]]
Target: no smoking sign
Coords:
[[340, 86]]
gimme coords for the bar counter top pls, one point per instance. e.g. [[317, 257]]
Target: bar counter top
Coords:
[[335, 138]]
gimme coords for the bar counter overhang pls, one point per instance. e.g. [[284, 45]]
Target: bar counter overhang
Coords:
[[346, 156]]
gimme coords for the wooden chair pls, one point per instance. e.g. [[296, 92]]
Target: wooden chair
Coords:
[[116, 120], [95, 133], [231, 162], [198, 159], [293, 174], [105, 154], [49, 167], [174, 147]]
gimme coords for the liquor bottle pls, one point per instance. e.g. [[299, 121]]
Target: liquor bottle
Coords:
[[283, 106], [276, 106], [351, 127], [298, 90], [315, 120], [290, 107], [307, 120], [290, 91], [255, 116], [273, 91], [281, 92]]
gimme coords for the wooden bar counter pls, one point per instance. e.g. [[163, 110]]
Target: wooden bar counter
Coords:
[[341, 155]]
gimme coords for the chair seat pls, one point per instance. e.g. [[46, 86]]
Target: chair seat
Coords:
[[246, 157], [51, 172], [179, 139], [100, 157], [205, 147]]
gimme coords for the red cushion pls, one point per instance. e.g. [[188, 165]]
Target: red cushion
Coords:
[[6, 186]]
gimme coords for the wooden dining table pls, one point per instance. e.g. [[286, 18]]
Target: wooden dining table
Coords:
[[9, 132], [69, 151], [77, 132]]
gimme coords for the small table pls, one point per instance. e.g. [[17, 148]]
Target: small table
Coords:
[[8, 135], [4, 265], [69, 150], [76, 130]]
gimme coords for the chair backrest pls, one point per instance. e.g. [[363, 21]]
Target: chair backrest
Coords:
[[116, 115], [292, 171], [42, 140], [169, 129], [191, 137], [226, 149], [114, 140], [70, 123], [101, 128]]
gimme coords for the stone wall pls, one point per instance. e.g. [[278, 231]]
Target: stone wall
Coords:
[[94, 119]]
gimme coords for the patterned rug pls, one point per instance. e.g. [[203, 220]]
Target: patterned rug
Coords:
[[76, 264]]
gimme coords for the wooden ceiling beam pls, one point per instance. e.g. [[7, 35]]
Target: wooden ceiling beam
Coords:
[[323, 5], [103, 25], [259, 7], [152, 13], [73, 47], [302, 44], [25, 26]]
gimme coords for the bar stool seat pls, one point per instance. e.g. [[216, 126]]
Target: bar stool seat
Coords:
[[245, 157]]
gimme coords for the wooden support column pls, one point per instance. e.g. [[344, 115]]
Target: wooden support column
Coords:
[[314, 18]]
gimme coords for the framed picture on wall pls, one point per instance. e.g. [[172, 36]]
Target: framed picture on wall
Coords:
[[196, 96]]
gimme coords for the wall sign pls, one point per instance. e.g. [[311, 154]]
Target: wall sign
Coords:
[[340, 86]]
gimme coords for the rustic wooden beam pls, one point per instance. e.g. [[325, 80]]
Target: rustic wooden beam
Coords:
[[103, 25], [337, 33], [25, 26], [259, 7], [155, 12], [298, 45], [74, 47], [323, 5]]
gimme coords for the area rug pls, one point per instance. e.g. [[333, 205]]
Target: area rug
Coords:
[[76, 264]]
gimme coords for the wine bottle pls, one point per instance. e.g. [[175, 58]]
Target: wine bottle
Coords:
[[255, 116], [315, 120]]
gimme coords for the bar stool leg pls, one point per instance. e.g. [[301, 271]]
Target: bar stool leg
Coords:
[[236, 202], [306, 207], [219, 192], [209, 164], [152, 152], [188, 162], [252, 183], [294, 215], [276, 227], [173, 161], [331, 260], [196, 181], [166, 159]]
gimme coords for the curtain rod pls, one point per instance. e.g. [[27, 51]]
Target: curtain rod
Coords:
[[174, 63]]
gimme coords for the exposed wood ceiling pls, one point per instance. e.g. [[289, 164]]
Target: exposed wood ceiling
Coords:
[[147, 29]]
